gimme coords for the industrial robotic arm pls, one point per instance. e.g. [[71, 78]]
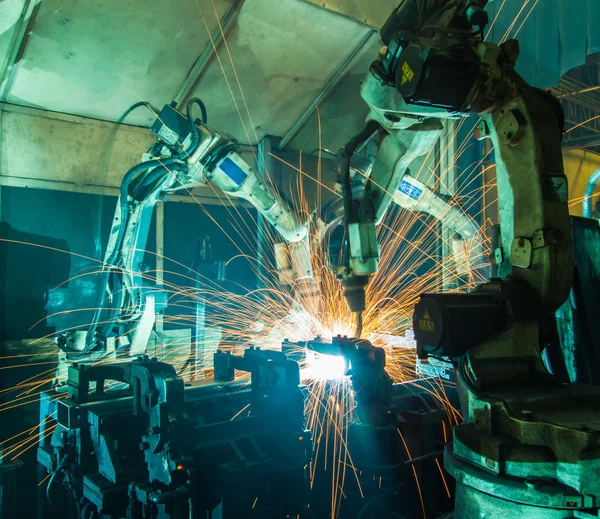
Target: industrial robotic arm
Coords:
[[410, 194], [187, 153], [528, 444], [434, 66]]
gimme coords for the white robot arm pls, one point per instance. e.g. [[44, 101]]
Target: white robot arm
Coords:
[[466, 242], [187, 153], [416, 196], [435, 65]]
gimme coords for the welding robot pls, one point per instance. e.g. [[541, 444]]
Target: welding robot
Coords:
[[529, 446], [188, 153], [160, 412]]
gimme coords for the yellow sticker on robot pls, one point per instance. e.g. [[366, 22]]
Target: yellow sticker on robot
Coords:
[[426, 324], [407, 73]]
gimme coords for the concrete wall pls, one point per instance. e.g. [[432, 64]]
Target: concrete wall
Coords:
[[47, 150]]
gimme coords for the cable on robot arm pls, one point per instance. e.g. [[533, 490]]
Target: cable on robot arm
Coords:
[[144, 181]]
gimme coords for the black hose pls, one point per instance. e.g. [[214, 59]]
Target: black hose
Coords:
[[140, 191], [135, 106], [73, 491], [48, 490], [124, 192], [67, 484], [195, 134], [355, 142], [188, 108]]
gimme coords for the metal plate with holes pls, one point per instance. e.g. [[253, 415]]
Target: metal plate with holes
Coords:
[[520, 254]]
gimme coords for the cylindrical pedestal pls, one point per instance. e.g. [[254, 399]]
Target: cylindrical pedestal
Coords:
[[484, 495], [473, 504]]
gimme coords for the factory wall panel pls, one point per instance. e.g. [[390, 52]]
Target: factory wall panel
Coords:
[[47, 150], [579, 166], [82, 223], [71, 151]]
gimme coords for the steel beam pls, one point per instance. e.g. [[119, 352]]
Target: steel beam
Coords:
[[581, 142], [339, 74], [207, 57], [17, 45], [372, 13]]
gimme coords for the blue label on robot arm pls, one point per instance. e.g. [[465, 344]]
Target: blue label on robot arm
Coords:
[[233, 171], [408, 189]]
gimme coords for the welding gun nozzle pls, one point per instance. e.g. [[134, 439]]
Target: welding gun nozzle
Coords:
[[354, 292]]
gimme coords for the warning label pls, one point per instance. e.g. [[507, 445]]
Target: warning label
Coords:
[[426, 324], [407, 73]]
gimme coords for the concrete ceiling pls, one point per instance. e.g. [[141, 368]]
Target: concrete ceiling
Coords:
[[96, 58]]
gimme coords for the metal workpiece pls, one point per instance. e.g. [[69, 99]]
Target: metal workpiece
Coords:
[[394, 432], [364, 364], [157, 445]]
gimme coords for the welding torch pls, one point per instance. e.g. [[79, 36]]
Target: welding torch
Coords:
[[361, 253]]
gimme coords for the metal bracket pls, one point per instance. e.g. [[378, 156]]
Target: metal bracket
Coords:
[[520, 253]]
